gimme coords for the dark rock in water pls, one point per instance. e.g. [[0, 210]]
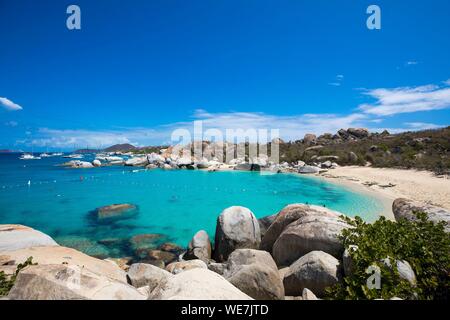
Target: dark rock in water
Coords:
[[143, 242], [112, 242], [171, 247], [166, 257], [115, 211], [84, 245], [156, 263]]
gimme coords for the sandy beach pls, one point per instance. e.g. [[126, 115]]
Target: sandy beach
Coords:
[[390, 184]]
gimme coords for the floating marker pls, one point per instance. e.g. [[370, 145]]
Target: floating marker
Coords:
[[29, 183]]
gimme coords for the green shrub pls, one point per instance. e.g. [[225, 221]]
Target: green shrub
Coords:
[[6, 283], [424, 244]]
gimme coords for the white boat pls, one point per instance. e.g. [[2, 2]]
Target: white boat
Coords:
[[74, 156], [57, 154], [28, 156], [44, 155]]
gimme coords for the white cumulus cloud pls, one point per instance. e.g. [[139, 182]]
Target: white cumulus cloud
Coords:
[[407, 100]]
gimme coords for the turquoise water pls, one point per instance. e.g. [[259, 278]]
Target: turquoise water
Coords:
[[175, 204]]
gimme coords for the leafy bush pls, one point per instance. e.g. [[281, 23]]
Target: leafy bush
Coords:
[[6, 283], [424, 244]]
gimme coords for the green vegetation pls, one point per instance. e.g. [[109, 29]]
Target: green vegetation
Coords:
[[7, 282], [422, 243], [429, 150]]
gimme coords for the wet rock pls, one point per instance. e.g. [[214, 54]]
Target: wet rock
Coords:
[[166, 257], [171, 247], [84, 245], [115, 211], [145, 241]]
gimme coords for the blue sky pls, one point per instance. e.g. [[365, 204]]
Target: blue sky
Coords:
[[138, 69]]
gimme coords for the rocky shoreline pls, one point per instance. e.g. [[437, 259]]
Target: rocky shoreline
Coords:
[[294, 254]]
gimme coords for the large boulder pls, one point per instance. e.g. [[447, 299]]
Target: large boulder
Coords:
[[62, 255], [199, 247], [282, 219], [405, 208], [318, 230], [358, 132], [15, 237], [181, 266], [197, 284], [404, 269], [255, 273], [316, 271], [237, 228], [142, 274], [79, 164], [68, 282], [309, 138], [308, 169], [137, 162]]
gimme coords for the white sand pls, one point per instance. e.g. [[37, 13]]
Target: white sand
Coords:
[[422, 186]]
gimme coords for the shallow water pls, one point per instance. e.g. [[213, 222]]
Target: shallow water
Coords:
[[173, 203]]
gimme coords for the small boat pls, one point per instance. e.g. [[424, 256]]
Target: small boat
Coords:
[[29, 156], [74, 156], [44, 155], [57, 154]]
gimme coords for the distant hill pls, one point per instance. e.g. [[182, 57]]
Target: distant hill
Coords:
[[121, 147], [427, 149]]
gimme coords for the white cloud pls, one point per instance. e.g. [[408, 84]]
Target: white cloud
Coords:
[[338, 81], [11, 123], [407, 100], [421, 125], [291, 128], [9, 105]]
